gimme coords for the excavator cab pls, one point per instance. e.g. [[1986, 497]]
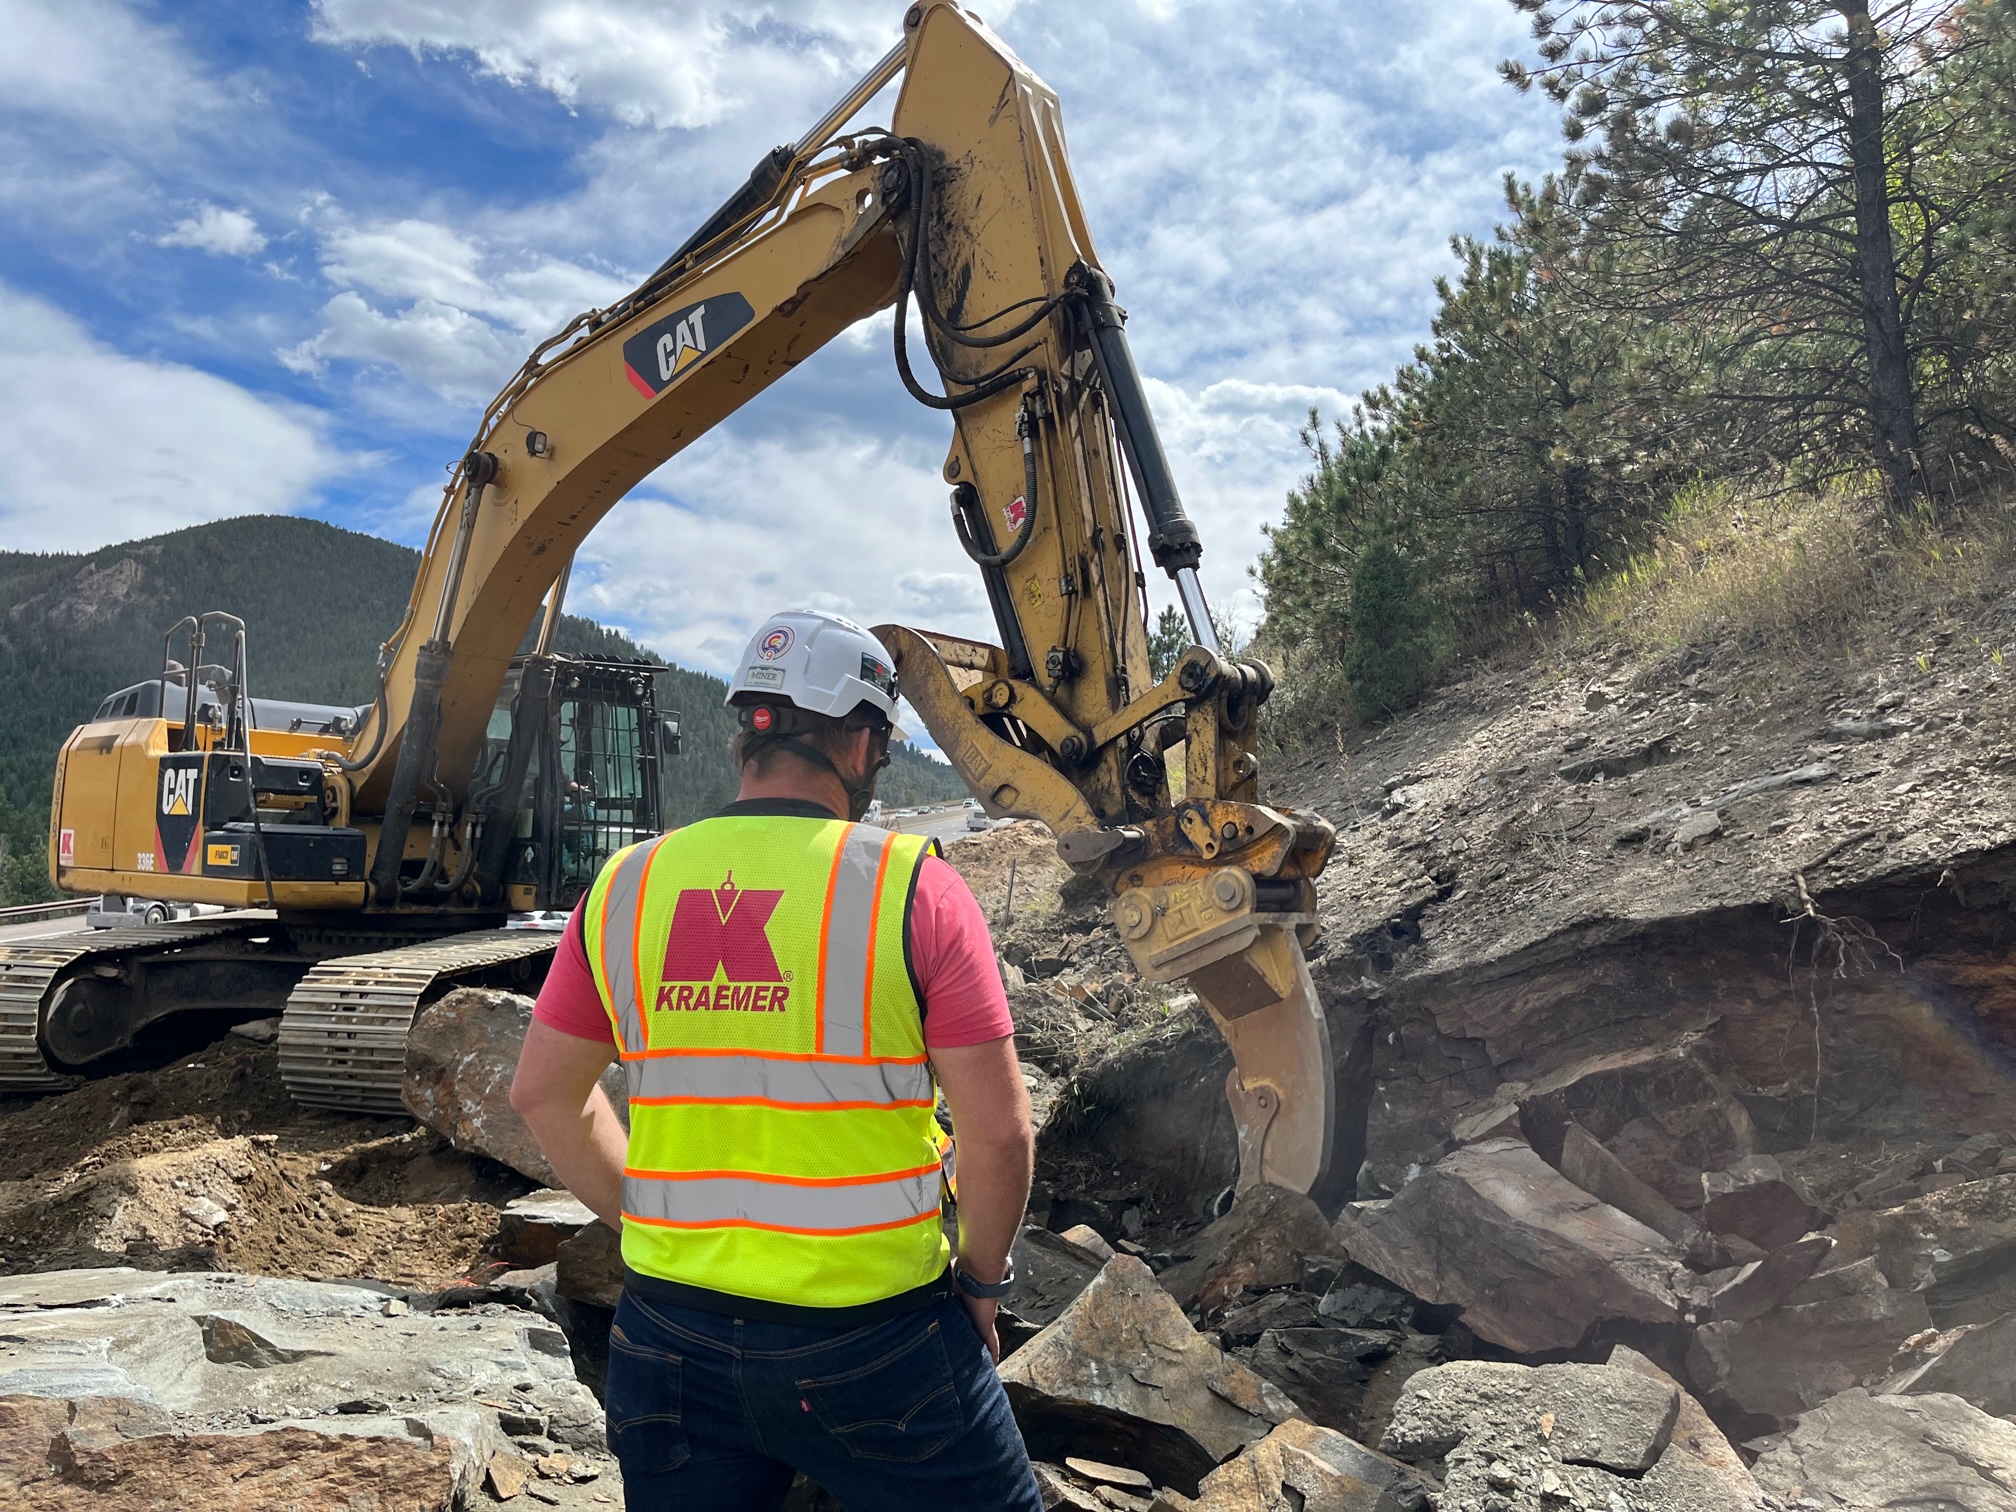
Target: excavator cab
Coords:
[[592, 778]]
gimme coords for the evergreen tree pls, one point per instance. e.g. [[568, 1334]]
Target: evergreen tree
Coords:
[[1391, 662]]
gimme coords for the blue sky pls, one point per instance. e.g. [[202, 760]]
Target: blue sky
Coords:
[[273, 255]]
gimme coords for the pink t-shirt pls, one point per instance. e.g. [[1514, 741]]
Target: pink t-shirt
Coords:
[[950, 950]]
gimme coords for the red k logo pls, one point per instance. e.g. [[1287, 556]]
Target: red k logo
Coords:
[[722, 930]]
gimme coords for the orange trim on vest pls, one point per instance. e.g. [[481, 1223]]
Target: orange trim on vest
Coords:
[[786, 1055], [772, 1102], [798, 1181], [637, 940], [785, 1228]]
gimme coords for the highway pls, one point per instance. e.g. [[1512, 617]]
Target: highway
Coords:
[[14, 934]]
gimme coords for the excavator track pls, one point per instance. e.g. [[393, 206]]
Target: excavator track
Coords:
[[31, 970], [343, 1034]]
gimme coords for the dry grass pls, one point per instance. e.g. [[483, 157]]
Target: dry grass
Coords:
[[1793, 574]]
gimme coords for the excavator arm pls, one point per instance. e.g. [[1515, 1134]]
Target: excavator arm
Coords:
[[966, 210]]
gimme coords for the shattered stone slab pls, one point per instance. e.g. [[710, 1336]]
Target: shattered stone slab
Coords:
[[1324, 1371], [1612, 1419], [1957, 1246], [1315, 1469], [1979, 1366], [1050, 1270], [1513, 1436], [1123, 1378], [1876, 1453], [1754, 1199], [1533, 1261], [1586, 1162], [220, 1353], [1258, 1244], [1799, 1355]]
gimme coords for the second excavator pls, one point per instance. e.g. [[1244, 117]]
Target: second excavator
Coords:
[[409, 827]]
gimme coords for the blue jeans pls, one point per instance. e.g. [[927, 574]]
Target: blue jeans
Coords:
[[714, 1413]]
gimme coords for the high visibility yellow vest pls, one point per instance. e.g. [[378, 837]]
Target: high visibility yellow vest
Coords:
[[782, 1139]]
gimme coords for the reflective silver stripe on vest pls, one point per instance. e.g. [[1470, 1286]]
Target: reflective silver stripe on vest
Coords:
[[815, 1083], [843, 993], [621, 919], [709, 1200]]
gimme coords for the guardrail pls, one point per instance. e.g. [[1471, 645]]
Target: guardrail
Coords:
[[31, 913]]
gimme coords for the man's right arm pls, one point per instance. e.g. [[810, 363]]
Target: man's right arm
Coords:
[[556, 1091], [970, 1036]]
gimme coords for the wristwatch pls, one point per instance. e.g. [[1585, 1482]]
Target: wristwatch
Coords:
[[974, 1288]]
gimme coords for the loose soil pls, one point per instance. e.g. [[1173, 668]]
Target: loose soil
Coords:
[[207, 1164]]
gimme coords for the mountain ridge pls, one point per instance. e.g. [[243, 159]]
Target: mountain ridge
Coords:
[[75, 627]]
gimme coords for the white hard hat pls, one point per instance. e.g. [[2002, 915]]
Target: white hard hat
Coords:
[[818, 662]]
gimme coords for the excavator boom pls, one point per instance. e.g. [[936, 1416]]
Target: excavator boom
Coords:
[[964, 209]]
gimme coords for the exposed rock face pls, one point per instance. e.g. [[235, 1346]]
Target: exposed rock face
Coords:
[[208, 1389], [460, 1057], [1957, 1246], [1301, 1466], [1533, 1261], [1799, 1355], [1122, 1377], [1905, 1452], [1621, 1434], [1260, 1243]]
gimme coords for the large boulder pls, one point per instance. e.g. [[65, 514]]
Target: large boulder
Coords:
[[461, 1054], [1302, 1466], [210, 1389], [1957, 1246], [1839, 1329], [1533, 1261], [1910, 1453], [1617, 1435], [1259, 1244], [1123, 1378]]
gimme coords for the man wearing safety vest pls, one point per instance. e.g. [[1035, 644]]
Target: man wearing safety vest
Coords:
[[788, 991]]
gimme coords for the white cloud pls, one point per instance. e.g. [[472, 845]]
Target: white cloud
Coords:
[[429, 343], [643, 61], [470, 314], [96, 63], [731, 530], [213, 229], [105, 447]]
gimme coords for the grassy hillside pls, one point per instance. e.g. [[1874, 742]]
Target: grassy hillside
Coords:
[[317, 600]]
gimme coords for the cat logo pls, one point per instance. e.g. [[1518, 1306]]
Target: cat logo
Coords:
[[178, 790], [657, 355]]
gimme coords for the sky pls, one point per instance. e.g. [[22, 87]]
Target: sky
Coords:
[[273, 256]]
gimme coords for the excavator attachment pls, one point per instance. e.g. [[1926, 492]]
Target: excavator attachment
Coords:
[[1217, 893]]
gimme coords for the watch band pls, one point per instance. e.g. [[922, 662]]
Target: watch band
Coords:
[[985, 1289]]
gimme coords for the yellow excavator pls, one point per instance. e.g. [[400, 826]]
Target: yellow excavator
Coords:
[[384, 848]]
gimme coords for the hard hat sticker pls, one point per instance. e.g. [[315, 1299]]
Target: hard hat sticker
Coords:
[[776, 643], [764, 677]]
